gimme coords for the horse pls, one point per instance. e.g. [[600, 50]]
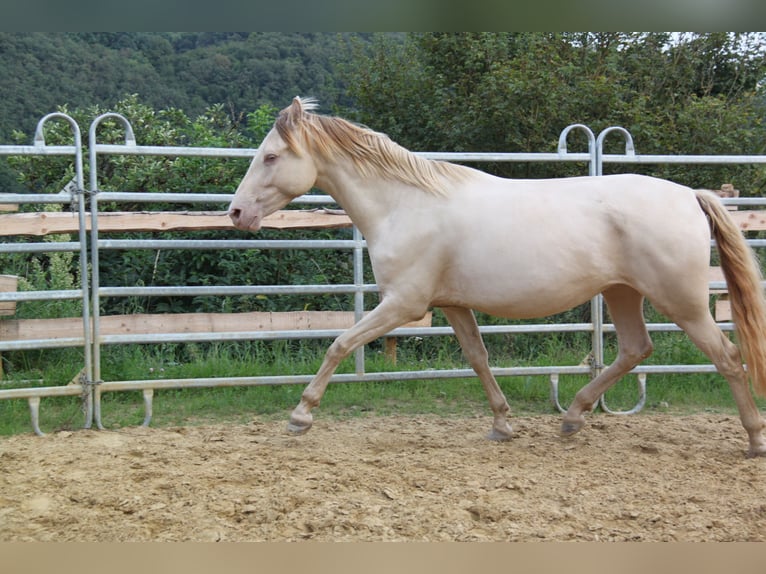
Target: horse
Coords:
[[445, 235]]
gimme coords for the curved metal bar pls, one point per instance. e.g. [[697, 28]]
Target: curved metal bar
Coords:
[[130, 141], [597, 305], [641, 377], [597, 302], [562, 147], [554, 394], [130, 137], [34, 413], [630, 150], [554, 382], [148, 396], [39, 141]]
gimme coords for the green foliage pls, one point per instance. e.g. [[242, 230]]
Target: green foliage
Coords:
[[515, 92], [187, 70]]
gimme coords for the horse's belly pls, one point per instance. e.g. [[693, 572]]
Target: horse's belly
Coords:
[[514, 303], [534, 291]]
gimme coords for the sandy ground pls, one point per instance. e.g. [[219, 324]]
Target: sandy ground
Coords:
[[645, 477]]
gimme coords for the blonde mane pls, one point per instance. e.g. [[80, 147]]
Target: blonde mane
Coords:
[[373, 153]]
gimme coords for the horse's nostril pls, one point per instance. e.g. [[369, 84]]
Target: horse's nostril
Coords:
[[235, 214]]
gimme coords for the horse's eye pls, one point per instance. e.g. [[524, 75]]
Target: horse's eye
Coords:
[[270, 158]]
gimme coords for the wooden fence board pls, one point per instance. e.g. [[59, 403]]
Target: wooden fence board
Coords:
[[45, 223], [8, 283], [750, 220], [31, 329]]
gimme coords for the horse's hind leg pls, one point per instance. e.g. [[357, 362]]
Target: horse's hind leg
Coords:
[[467, 331], [634, 345], [704, 332]]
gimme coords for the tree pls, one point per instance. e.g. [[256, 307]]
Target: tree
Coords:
[[189, 70], [697, 93]]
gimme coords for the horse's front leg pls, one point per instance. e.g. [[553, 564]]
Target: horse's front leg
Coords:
[[385, 317]]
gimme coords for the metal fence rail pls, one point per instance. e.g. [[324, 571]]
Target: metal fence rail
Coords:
[[92, 386]]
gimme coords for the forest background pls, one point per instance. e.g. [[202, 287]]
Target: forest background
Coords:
[[509, 92]]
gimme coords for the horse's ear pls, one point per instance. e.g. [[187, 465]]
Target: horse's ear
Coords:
[[295, 110]]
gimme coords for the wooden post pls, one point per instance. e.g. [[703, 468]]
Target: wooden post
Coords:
[[7, 283], [390, 349]]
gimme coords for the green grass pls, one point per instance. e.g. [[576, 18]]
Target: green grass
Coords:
[[674, 393]]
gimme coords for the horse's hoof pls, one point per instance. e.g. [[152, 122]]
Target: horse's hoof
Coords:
[[297, 429], [569, 427], [500, 435], [299, 424], [756, 452]]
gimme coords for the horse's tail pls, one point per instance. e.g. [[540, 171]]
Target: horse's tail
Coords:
[[743, 279]]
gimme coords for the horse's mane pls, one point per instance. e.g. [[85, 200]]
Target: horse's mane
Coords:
[[373, 153]]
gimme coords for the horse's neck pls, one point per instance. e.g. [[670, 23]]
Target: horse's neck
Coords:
[[367, 201]]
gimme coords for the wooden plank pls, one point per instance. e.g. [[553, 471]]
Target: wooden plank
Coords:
[[9, 207], [723, 310], [30, 329], [751, 220], [716, 274], [45, 223], [8, 283]]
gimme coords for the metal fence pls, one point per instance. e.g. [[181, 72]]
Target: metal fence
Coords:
[[90, 245]]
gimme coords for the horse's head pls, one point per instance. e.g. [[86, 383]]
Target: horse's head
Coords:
[[280, 171]]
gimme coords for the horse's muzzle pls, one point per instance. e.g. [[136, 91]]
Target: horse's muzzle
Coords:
[[241, 221]]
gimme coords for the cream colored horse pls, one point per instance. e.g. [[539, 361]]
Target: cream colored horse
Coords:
[[449, 236]]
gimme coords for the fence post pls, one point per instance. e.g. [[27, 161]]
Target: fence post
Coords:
[[599, 358], [359, 293], [79, 192], [130, 140], [597, 302]]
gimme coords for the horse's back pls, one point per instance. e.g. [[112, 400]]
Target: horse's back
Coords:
[[618, 211], [522, 240]]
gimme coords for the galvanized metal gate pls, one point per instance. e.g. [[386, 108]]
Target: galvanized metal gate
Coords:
[[90, 245]]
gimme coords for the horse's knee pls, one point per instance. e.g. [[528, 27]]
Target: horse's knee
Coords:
[[337, 351]]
